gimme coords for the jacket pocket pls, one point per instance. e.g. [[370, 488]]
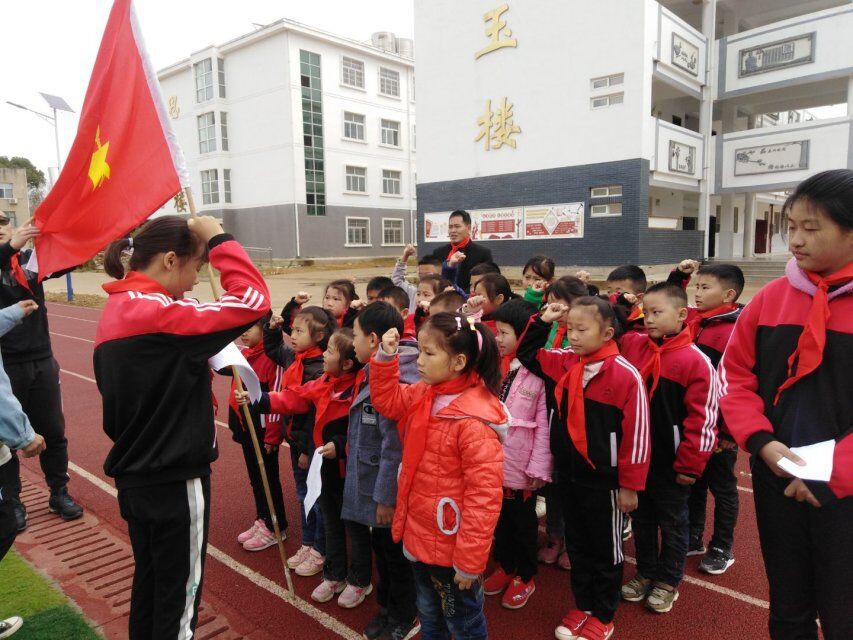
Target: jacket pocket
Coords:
[[613, 450], [448, 516], [368, 469], [676, 437]]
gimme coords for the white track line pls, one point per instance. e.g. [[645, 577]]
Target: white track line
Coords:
[[65, 335], [256, 578], [56, 315]]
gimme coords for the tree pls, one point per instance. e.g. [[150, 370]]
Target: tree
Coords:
[[35, 177]]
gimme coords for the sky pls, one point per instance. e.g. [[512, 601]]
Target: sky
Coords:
[[50, 46]]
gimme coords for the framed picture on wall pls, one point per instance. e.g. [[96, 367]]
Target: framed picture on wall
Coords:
[[682, 158], [685, 55]]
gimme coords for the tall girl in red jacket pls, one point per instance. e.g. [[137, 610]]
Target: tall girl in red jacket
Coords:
[[449, 492], [785, 382]]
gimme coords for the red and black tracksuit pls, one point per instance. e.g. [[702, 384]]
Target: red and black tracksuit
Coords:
[[683, 415], [711, 333], [151, 366], [615, 455], [807, 551]]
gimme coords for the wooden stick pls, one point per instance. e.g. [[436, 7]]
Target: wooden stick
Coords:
[[247, 416]]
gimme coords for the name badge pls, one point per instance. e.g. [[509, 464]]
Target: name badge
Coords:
[[368, 415]]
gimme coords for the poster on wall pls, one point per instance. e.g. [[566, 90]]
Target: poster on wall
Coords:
[[785, 156], [497, 224], [682, 157], [554, 221], [776, 55], [685, 55], [435, 227]]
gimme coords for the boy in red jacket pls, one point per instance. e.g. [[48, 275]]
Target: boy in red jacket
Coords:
[[711, 321], [682, 387]]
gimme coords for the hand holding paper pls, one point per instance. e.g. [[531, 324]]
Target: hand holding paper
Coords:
[[230, 356], [818, 459]]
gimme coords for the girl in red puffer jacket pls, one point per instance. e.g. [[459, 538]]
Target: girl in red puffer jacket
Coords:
[[450, 488]]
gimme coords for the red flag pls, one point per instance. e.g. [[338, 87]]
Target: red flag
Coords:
[[125, 162]]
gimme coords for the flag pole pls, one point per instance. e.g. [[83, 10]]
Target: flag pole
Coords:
[[251, 427]]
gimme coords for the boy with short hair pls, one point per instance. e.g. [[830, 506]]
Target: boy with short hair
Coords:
[[399, 299], [711, 321], [626, 286], [682, 386], [428, 265], [370, 491], [446, 302], [377, 285]]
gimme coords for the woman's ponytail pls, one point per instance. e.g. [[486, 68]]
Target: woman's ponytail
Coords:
[[113, 265], [487, 364]]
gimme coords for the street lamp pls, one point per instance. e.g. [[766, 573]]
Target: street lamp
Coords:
[[57, 104]]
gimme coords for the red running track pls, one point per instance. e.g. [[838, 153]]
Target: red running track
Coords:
[[733, 605]]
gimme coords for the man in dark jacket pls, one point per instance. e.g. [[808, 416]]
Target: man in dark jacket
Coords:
[[459, 231], [34, 373]]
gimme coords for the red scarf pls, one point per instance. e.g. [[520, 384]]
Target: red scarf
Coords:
[[572, 380], [809, 352], [636, 313], [559, 336], [652, 366], [326, 396], [293, 374], [416, 425], [409, 332], [506, 361], [457, 247], [18, 272], [695, 322]]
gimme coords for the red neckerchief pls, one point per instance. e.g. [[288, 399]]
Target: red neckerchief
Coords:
[[18, 272], [253, 356], [652, 366], [809, 352], [636, 313], [417, 423], [506, 361], [293, 374], [457, 247], [695, 322], [559, 336], [572, 380], [409, 332], [326, 396]]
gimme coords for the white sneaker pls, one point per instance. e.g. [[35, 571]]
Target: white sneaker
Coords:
[[299, 557], [10, 625]]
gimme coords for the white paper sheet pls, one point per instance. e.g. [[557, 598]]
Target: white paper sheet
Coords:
[[818, 459], [230, 356], [315, 482]]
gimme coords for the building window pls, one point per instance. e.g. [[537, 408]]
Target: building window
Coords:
[[390, 132], [391, 182], [352, 72], [206, 133], [605, 210], [353, 126], [607, 81], [600, 102], [392, 232], [606, 192], [223, 129], [220, 66], [203, 80], [358, 232], [6, 190], [736, 220], [356, 179], [210, 186], [389, 82], [312, 130], [226, 185]]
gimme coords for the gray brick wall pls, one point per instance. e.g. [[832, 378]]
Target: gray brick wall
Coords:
[[606, 241], [659, 246]]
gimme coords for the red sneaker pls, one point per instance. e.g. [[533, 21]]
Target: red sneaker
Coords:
[[571, 625], [497, 582], [518, 593], [595, 629]]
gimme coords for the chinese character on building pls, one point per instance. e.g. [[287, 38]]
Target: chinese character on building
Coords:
[[495, 31], [497, 127]]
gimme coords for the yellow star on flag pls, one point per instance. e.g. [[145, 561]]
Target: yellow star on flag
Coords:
[[99, 170]]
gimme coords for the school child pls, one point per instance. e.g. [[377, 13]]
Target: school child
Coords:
[[337, 300], [370, 494], [785, 382], [450, 485], [682, 387], [527, 463], [626, 285], [537, 270], [151, 351], [601, 446], [450, 272], [329, 396], [377, 285], [261, 534], [427, 266], [711, 323], [490, 292], [302, 360], [399, 299], [446, 302]]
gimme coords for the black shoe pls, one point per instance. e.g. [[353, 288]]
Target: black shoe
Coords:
[[63, 505], [20, 514], [375, 627], [696, 547], [400, 630], [717, 561]]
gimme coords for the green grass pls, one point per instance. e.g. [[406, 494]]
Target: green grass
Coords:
[[47, 613]]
